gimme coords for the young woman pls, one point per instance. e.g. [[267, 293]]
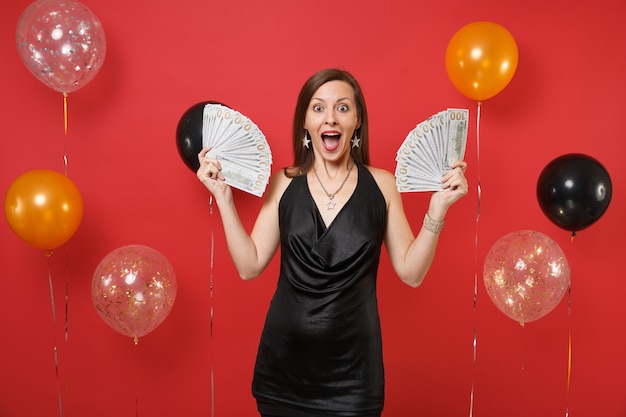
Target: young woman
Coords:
[[320, 352]]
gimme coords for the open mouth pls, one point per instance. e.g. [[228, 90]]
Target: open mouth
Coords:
[[331, 141]]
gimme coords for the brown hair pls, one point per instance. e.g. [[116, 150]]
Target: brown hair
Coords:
[[303, 157]]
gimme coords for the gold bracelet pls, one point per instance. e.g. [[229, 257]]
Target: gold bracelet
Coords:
[[433, 226]]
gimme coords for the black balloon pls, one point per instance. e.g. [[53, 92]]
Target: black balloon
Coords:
[[189, 134], [574, 191]]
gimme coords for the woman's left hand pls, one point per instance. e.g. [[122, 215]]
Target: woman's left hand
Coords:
[[454, 186]]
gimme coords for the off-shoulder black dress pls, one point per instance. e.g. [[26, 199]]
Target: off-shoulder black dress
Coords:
[[321, 350]]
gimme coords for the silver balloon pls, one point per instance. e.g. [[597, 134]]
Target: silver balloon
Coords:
[[61, 42]]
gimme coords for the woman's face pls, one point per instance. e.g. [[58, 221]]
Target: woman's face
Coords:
[[331, 119]]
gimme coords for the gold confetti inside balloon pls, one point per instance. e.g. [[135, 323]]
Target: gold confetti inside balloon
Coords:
[[526, 275], [133, 289]]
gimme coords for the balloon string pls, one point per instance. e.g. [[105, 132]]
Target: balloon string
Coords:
[[471, 411], [523, 368], [473, 374], [569, 352], [136, 346], [211, 307], [67, 327], [569, 339], [67, 296], [65, 129], [65, 112], [54, 339]]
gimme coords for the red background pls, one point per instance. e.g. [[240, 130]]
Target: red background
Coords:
[[162, 57]]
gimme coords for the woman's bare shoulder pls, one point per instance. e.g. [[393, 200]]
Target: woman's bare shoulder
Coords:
[[383, 178], [278, 183]]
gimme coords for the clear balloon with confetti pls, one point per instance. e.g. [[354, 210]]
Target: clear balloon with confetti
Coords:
[[526, 275], [133, 290], [61, 42]]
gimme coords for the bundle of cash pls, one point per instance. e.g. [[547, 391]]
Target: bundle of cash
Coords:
[[429, 149], [239, 145]]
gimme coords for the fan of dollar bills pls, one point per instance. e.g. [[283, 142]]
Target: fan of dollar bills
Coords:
[[429, 149], [239, 145]]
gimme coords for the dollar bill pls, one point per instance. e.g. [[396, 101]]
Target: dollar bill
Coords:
[[457, 135], [429, 149], [240, 146]]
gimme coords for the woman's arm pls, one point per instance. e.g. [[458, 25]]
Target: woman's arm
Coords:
[[411, 256], [251, 253]]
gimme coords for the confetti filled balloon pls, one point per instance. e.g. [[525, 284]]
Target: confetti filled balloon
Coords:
[[526, 275], [61, 42], [133, 289]]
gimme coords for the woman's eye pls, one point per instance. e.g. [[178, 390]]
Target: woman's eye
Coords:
[[317, 107], [342, 107]]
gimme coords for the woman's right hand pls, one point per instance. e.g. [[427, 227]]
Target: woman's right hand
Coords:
[[210, 174]]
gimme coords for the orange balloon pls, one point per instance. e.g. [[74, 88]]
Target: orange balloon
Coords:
[[44, 208], [481, 59]]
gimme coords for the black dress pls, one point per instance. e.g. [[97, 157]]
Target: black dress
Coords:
[[321, 349]]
